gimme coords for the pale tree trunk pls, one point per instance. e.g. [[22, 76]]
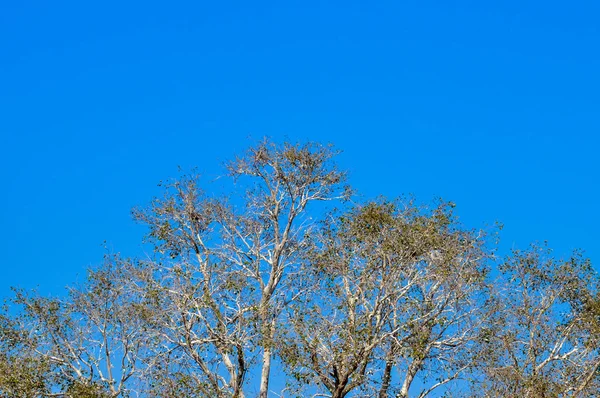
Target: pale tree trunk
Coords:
[[266, 370], [408, 379], [267, 355]]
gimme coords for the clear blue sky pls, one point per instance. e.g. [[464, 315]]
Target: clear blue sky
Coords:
[[493, 105]]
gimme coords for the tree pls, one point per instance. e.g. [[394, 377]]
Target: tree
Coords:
[[548, 341], [22, 374], [397, 290], [90, 344], [234, 260]]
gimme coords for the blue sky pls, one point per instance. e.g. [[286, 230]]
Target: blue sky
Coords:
[[493, 105]]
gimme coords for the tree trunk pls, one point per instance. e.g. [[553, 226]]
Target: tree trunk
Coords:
[[387, 375], [408, 379], [338, 393], [266, 370]]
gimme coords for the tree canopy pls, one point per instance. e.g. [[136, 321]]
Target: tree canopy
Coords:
[[288, 275]]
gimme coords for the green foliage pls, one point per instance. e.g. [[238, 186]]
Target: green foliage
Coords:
[[23, 377]]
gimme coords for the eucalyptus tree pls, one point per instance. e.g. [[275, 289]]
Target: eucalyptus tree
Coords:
[[548, 343], [399, 292], [22, 374], [227, 265], [91, 343]]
